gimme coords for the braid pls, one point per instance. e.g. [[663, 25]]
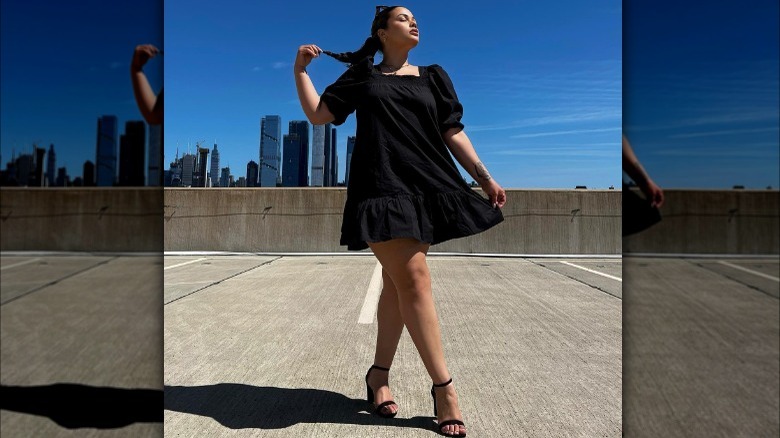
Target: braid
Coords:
[[368, 50]]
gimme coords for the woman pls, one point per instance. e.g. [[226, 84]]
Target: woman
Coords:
[[405, 192]]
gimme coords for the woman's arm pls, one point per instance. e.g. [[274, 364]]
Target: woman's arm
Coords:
[[634, 169], [460, 146], [144, 96], [316, 111]]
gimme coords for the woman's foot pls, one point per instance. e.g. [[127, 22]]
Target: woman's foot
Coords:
[[378, 381], [447, 409]]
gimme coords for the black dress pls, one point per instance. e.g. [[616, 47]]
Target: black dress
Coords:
[[403, 182]]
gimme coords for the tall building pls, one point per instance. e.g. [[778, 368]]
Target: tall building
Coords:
[[89, 174], [292, 149], [131, 154], [224, 177], [62, 180], [334, 160], [252, 170], [25, 169], [350, 149], [106, 151], [51, 165], [155, 168], [327, 170], [270, 150], [202, 177], [318, 156], [187, 170], [301, 129], [38, 178], [214, 173]]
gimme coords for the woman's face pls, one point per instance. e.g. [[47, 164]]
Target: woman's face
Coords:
[[401, 30]]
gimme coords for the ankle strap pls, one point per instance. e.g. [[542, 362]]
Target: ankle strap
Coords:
[[379, 368], [443, 384]]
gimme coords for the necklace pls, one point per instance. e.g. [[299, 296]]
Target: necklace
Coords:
[[394, 72]]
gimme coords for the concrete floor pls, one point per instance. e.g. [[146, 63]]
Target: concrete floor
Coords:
[[279, 345]]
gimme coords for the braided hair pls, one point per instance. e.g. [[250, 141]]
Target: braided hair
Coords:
[[365, 54]]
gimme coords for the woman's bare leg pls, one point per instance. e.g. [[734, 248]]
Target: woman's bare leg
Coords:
[[405, 262], [389, 329]]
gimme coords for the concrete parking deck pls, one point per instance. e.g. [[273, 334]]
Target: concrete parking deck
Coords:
[[279, 345], [276, 345]]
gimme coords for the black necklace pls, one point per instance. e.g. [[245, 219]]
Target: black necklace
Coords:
[[394, 72]]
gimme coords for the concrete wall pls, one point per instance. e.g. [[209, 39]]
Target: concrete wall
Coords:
[[81, 219], [309, 219], [713, 222]]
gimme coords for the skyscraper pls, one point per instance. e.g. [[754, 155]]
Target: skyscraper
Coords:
[[327, 170], [131, 154], [106, 151], [251, 174], [89, 174], [270, 150], [51, 165], [187, 169], [334, 160], [38, 179], [350, 149], [301, 129], [292, 149], [155, 170], [318, 156], [202, 177], [214, 173], [224, 178]]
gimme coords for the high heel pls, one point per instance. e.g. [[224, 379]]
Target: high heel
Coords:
[[446, 423], [370, 396]]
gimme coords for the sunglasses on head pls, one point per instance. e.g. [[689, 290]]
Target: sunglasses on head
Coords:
[[379, 10]]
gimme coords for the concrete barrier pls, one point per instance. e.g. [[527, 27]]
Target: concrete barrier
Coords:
[[81, 219], [713, 222], [309, 220]]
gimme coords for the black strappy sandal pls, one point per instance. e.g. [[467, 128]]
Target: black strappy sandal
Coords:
[[370, 396], [444, 424]]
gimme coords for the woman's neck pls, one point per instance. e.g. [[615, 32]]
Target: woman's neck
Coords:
[[395, 59]]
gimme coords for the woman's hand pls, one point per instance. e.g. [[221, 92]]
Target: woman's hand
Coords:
[[653, 193], [305, 55], [143, 53], [495, 193]]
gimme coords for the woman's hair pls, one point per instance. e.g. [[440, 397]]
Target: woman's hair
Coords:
[[372, 44]]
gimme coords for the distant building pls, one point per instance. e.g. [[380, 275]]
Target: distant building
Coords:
[[251, 174], [187, 169], [224, 177], [241, 182], [89, 174], [332, 159], [154, 168], [270, 150], [216, 180], [38, 178], [106, 151], [25, 168], [62, 180], [350, 148], [51, 166], [290, 168], [131, 154], [318, 156], [301, 158], [202, 177]]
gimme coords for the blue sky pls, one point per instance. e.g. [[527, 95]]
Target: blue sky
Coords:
[[540, 81], [701, 91], [64, 64]]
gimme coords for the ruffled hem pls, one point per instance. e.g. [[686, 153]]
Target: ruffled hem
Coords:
[[432, 218]]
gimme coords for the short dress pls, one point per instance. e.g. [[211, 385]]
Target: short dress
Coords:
[[403, 182]]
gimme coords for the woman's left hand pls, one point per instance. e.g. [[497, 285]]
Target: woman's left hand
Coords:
[[495, 193]]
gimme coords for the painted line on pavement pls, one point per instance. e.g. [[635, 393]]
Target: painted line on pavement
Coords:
[[593, 271], [760, 274], [185, 263], [20, 263], [372, 297]]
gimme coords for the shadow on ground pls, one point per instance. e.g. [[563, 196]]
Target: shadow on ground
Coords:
[[239, 406], [76, 406]]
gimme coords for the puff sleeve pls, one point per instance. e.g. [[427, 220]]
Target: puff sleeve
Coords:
[[341, 96], [448, 107]]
